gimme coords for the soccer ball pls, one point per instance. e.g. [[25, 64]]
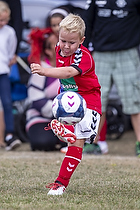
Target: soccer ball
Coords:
[[69, 107]]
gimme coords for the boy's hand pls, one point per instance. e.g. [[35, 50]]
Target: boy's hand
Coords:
[[36, 68]]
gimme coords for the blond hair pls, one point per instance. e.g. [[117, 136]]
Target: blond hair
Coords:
[[4, 8], [73, 23]]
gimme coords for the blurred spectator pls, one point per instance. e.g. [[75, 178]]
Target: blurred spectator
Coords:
[[113, 34], [17, 23], [54, 18], [7, 51], [41, 92], [57, 14], [16, 19]]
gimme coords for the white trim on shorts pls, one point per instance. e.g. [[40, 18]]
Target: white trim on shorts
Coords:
[[88, 126]]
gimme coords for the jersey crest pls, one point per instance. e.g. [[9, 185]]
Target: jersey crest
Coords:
[[68, 84]]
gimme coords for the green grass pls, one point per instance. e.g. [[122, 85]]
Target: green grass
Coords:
[[100, 182]]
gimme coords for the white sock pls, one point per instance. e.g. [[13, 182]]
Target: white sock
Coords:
[[8, 137]]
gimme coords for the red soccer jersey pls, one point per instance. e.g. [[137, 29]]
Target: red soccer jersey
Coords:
[[86, 83]]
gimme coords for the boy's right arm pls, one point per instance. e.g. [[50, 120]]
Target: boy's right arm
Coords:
[[37, 68], [55, 72]]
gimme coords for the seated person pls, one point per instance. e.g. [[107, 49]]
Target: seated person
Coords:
[[41, 92]]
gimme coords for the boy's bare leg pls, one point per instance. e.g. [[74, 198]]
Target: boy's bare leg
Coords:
[[78, 143]]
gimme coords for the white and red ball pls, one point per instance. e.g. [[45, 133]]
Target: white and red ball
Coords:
[[69, 107]]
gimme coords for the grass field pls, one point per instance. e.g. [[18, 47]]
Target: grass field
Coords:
[[100, 182]]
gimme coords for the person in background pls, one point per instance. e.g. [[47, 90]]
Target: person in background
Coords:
[[7, 51], [17, 23], [16, 20], [54, 18], [41, 92], [113, 33]]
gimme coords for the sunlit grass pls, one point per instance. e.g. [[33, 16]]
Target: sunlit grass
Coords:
[[100, 182]]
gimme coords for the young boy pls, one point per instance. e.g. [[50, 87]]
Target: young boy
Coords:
[[76, 71]]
